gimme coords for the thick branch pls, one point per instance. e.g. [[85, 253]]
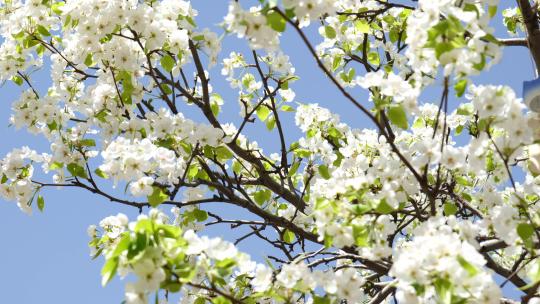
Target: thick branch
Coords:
[[513, 42], [533, 32]]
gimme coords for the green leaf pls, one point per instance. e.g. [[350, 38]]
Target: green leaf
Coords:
[[4, 179], [17, 80], [384, 208], [174, 287], [101, 115], [40, 49], [460, 87], [330, 32], [223, 153], [443, 288], [443, 47], [166, 88], [287, 108], [270, 123], [276, 21], [87, 142], [19, 35], [492, 11], [336, 62], [462, 180], [109, 270], [450, 209], [468, 266], [263, 112], [101, 174], [200, 215], [200, 301], [221, 300], [262, 196], [40, 203], [30, 42], [361, 236], [89, 61], [52, 126], [167, 62], [373, 58], [127, 86], [362, 26], [320, 300], [57, 7], [394, 35], [459, 129], [215, 109], [293, 169], [56, 166], [323, 171], [525, 231], [43, 31], [288, 236], [77, 170], [398, 117], [157, 197], [123, 245]]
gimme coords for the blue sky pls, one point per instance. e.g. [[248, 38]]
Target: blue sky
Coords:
[[45, 258]]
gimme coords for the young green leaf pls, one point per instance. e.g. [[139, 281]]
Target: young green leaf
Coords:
[[397, 116], [88, 142], [77, 170], [276, 21], [200, 215], [263, 112], [321, 300], [101, 174], [362, 26], [157, 197], [450, 208], [262, 196], [467, 266], [17, 80], [287, 108], [40, 203], [167, 62], [460, 87], [323, 171], [525, 230], [288, 236], [109, 270], [270, 123], [43, 31], [330, 32]]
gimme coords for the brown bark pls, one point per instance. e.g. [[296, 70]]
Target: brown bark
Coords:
[[530, 18]]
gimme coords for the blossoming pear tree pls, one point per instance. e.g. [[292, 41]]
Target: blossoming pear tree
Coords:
[[434, 203]]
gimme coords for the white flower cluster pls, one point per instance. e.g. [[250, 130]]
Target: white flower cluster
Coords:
[[113, 226], [458, 55], [150, 266], [128, 160], [393, 86], [308, 10], [16, 172], [252, 25], [17, 17], [438, 263], [344, 283], [500, 104], [166, 22], [37, 115]]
